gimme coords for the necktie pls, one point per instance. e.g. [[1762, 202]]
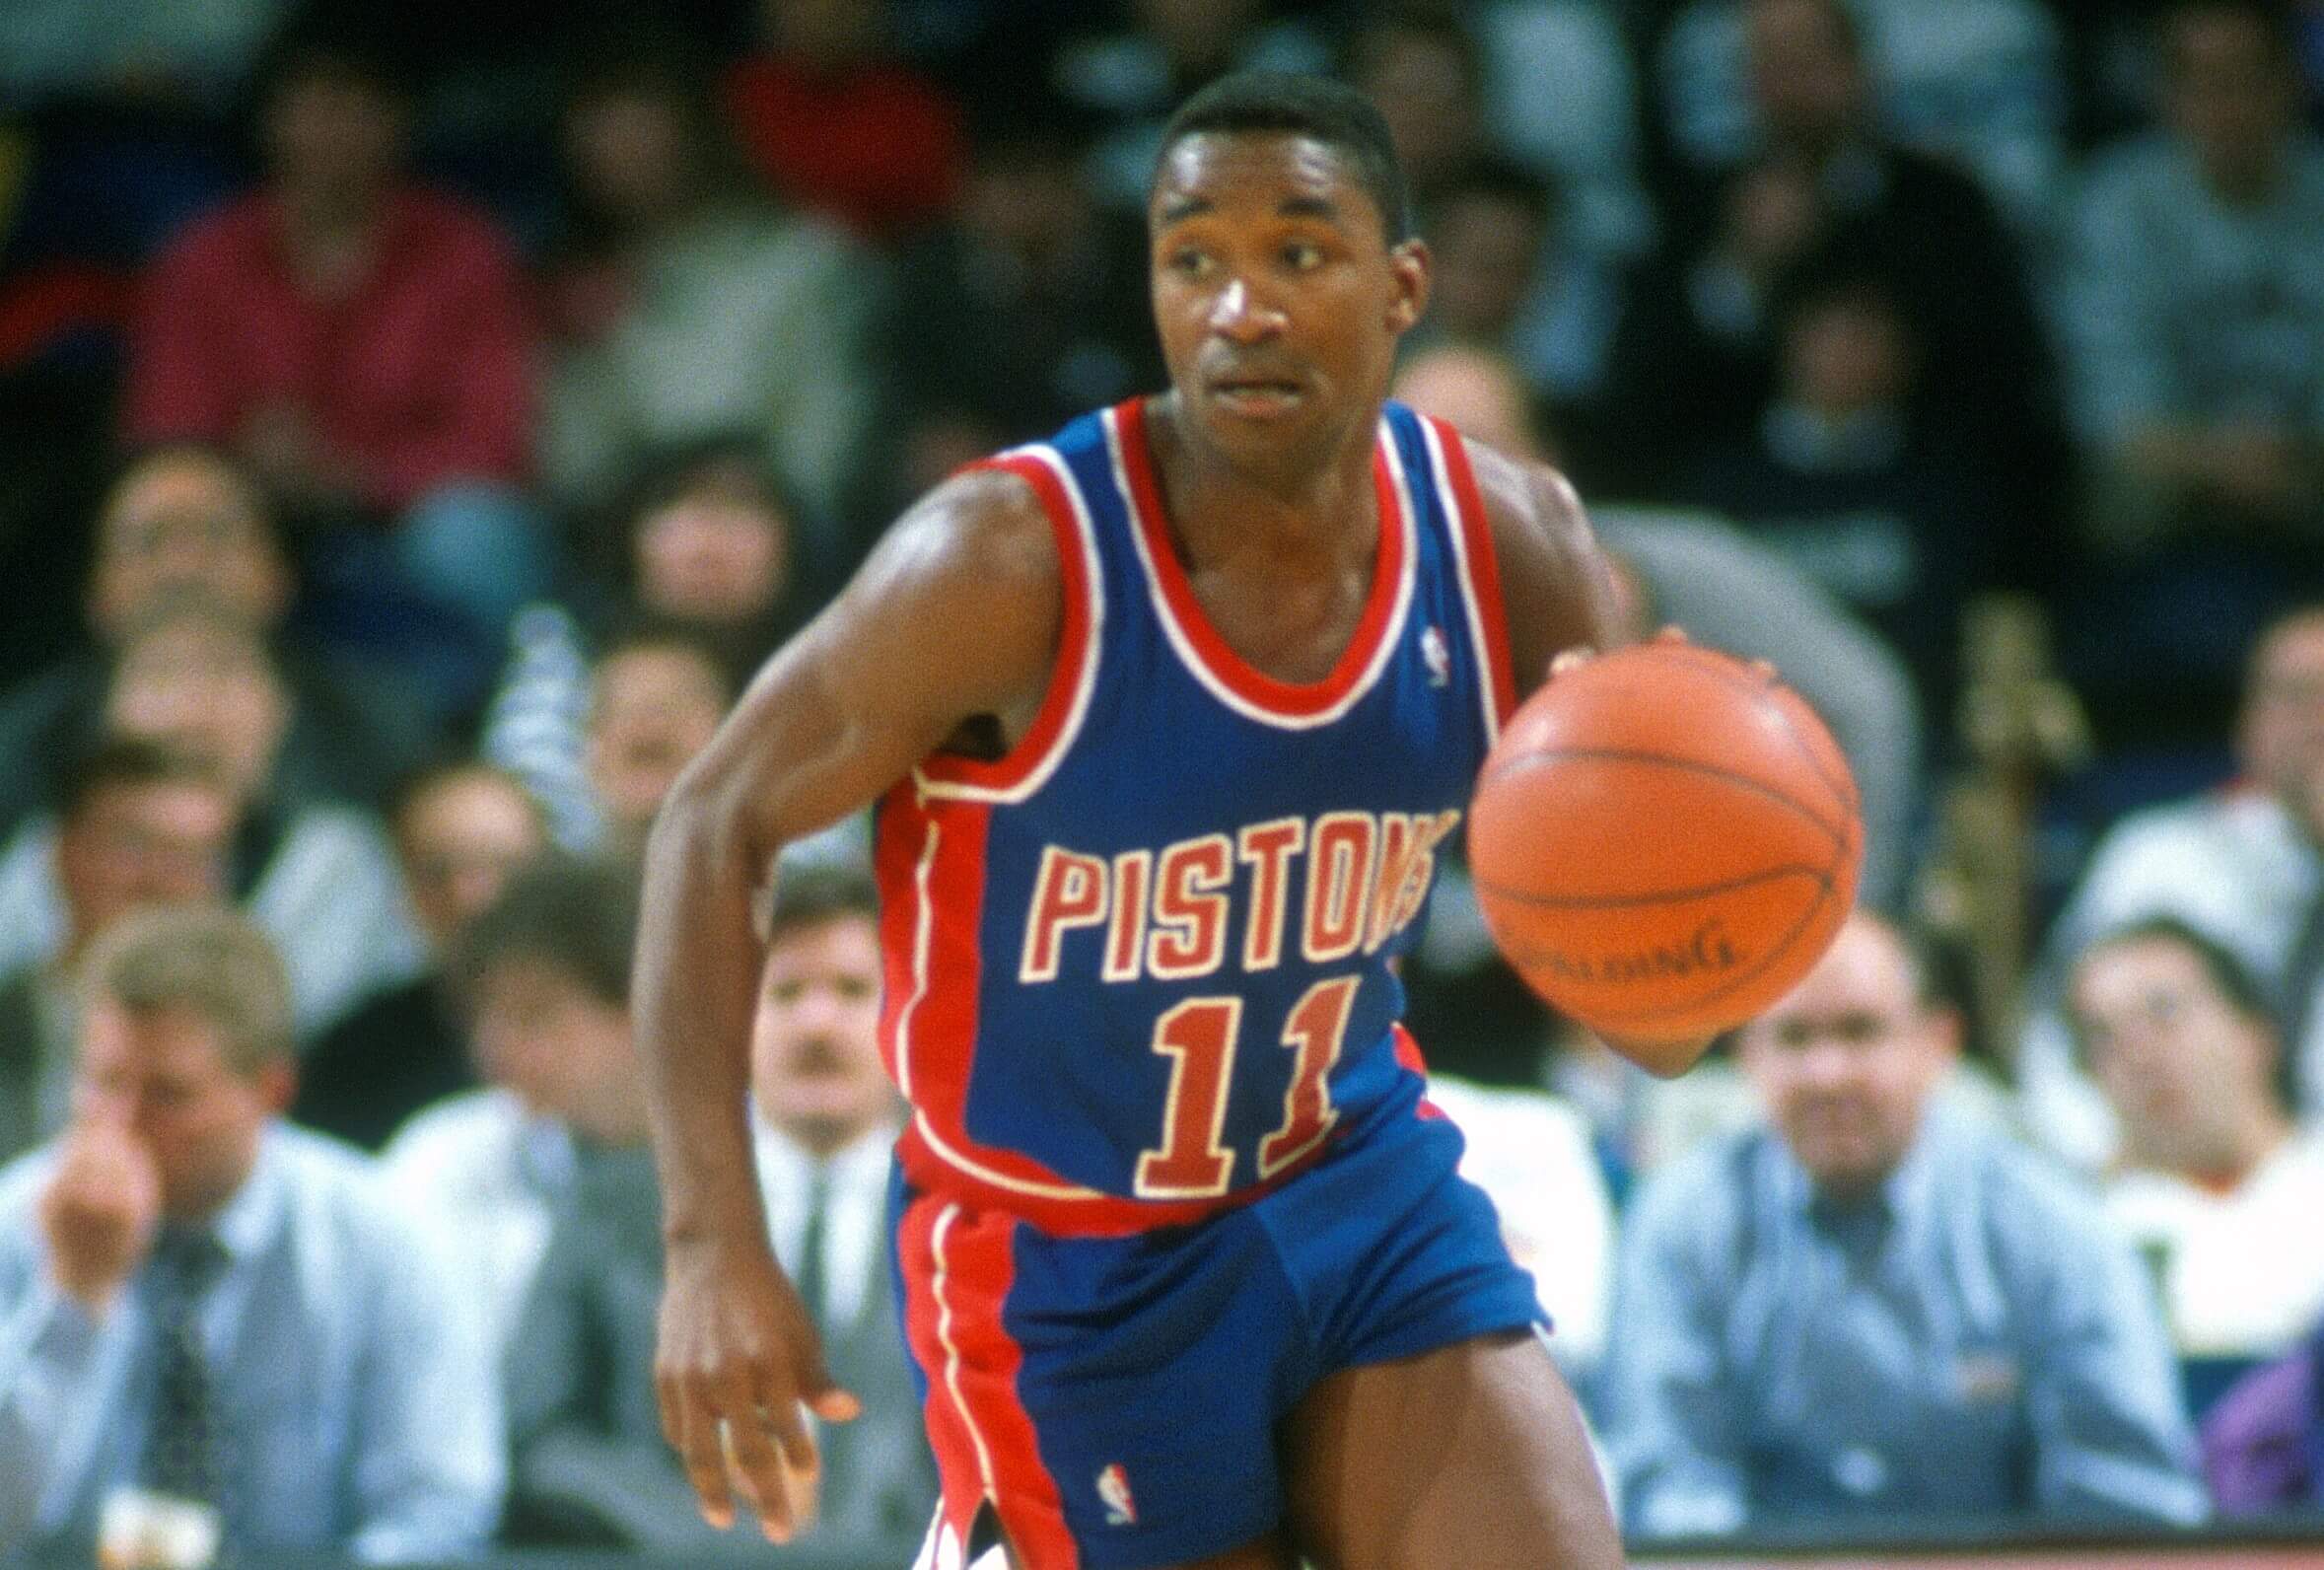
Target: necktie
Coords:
[[809, 1278], [185, 1452]]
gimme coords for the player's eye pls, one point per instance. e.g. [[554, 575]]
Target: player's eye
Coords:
[[1189, 263], [1302, 254]]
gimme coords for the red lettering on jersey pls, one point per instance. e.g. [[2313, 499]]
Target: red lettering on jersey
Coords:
[[1069, 892], [1189, 913], [1339, 884], [1268, 847], [1125, 941]]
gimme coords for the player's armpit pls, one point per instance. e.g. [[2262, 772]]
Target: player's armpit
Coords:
[[1557, 590]]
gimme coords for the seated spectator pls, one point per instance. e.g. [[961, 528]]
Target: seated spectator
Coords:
[[711, 545], [186, 518], [201, 1306], [1027, 304], [543, 975], [136, 826], [462, 831], [1876, 1306], [320, 877], [1851, 476], [2239, 865], [2263, 1443], [2194, 313], [826, 1119], [1584, 136], [362, 344], [685, 305], [1978, 82], [837, 124], [2213, 1184], [1696, 348], [1532, 1156], [656, 699]]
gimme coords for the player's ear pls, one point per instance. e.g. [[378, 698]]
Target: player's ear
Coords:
[[1408, 262]]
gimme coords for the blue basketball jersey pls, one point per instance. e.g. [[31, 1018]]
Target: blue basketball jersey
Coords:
[[1140, 968]]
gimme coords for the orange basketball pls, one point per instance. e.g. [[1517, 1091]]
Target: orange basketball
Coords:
[[1664, 841]]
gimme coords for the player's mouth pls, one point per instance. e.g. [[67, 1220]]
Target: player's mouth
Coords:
[[1257, 397]]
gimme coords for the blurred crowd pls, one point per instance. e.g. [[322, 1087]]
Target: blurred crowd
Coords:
[[417, 423]]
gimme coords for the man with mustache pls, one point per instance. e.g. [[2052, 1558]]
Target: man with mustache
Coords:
[[1879, 1304]]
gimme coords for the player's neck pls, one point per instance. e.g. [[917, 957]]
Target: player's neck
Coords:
[[1304, 502]]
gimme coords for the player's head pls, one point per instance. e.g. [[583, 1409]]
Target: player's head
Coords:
[[545, 972], [815, 1045], [1283, 271], [185, 1041], [1845, 1063], [2279, 734], [2182, 1040]]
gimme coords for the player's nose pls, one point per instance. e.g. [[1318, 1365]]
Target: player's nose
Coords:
[[1241, 312]]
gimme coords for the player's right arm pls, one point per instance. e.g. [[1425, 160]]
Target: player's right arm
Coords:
[[955, 618]]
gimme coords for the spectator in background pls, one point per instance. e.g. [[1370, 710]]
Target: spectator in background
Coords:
[[711, 544], [1698, 341], [686, 307], [1877, 1306], [2239, 865], [1423, 67], [2194, 311], [1584, 136], [137, 825], [1852, 477], [362, 343], [655, 697], [186, 518], [317, 876], [1027, 304], [462, 830], [1128, 81], [1976, 82], [825, 1117], [206, 1305], [2214, 1184], [838, 126], [543, 976]]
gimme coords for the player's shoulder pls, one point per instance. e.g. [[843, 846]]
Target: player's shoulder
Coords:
[[988, 522], [1530, 507]]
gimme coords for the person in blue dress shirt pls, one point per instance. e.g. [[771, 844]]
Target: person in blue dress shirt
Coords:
[[205, 1310], [1878, 1304]]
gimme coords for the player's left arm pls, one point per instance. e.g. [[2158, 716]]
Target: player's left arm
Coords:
[[1557, 592]]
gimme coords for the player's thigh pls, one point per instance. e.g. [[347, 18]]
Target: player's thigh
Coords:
[[1471, 1456]]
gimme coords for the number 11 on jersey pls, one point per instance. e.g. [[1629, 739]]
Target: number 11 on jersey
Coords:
[[1199, 1036]]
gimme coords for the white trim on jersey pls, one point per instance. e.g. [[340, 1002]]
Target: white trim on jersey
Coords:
[[1085, 679], [1455, 527], [1191, 657]]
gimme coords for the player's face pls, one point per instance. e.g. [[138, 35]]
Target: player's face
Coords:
[[2178, 1064], [1845, 1062], [1277, 295], [814, 1046]]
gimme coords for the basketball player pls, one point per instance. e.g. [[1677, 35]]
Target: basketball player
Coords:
[[1167, 719]]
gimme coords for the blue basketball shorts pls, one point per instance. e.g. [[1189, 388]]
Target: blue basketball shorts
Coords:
[[1117, 1399]]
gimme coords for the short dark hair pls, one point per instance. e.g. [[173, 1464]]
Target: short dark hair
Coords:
[[578, 915], [1294, 104], [118, 761], [2234, 981], [810, 893]]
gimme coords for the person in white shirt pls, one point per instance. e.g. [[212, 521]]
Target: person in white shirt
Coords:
[[2239, 865], [825, 1117], [2215, 1184]]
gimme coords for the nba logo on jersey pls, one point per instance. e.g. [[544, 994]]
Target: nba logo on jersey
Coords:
[[1113, 1486], [1435, 656]]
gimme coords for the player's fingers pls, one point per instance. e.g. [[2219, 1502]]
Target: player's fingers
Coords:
[[702, 1452], [1764, 670], [756, 1470], [1670, 632], [1569, 658], [836, 1406]]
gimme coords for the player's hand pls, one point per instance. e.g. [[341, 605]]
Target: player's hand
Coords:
[[737, 1358], [100, 1209], [1582, 654]]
